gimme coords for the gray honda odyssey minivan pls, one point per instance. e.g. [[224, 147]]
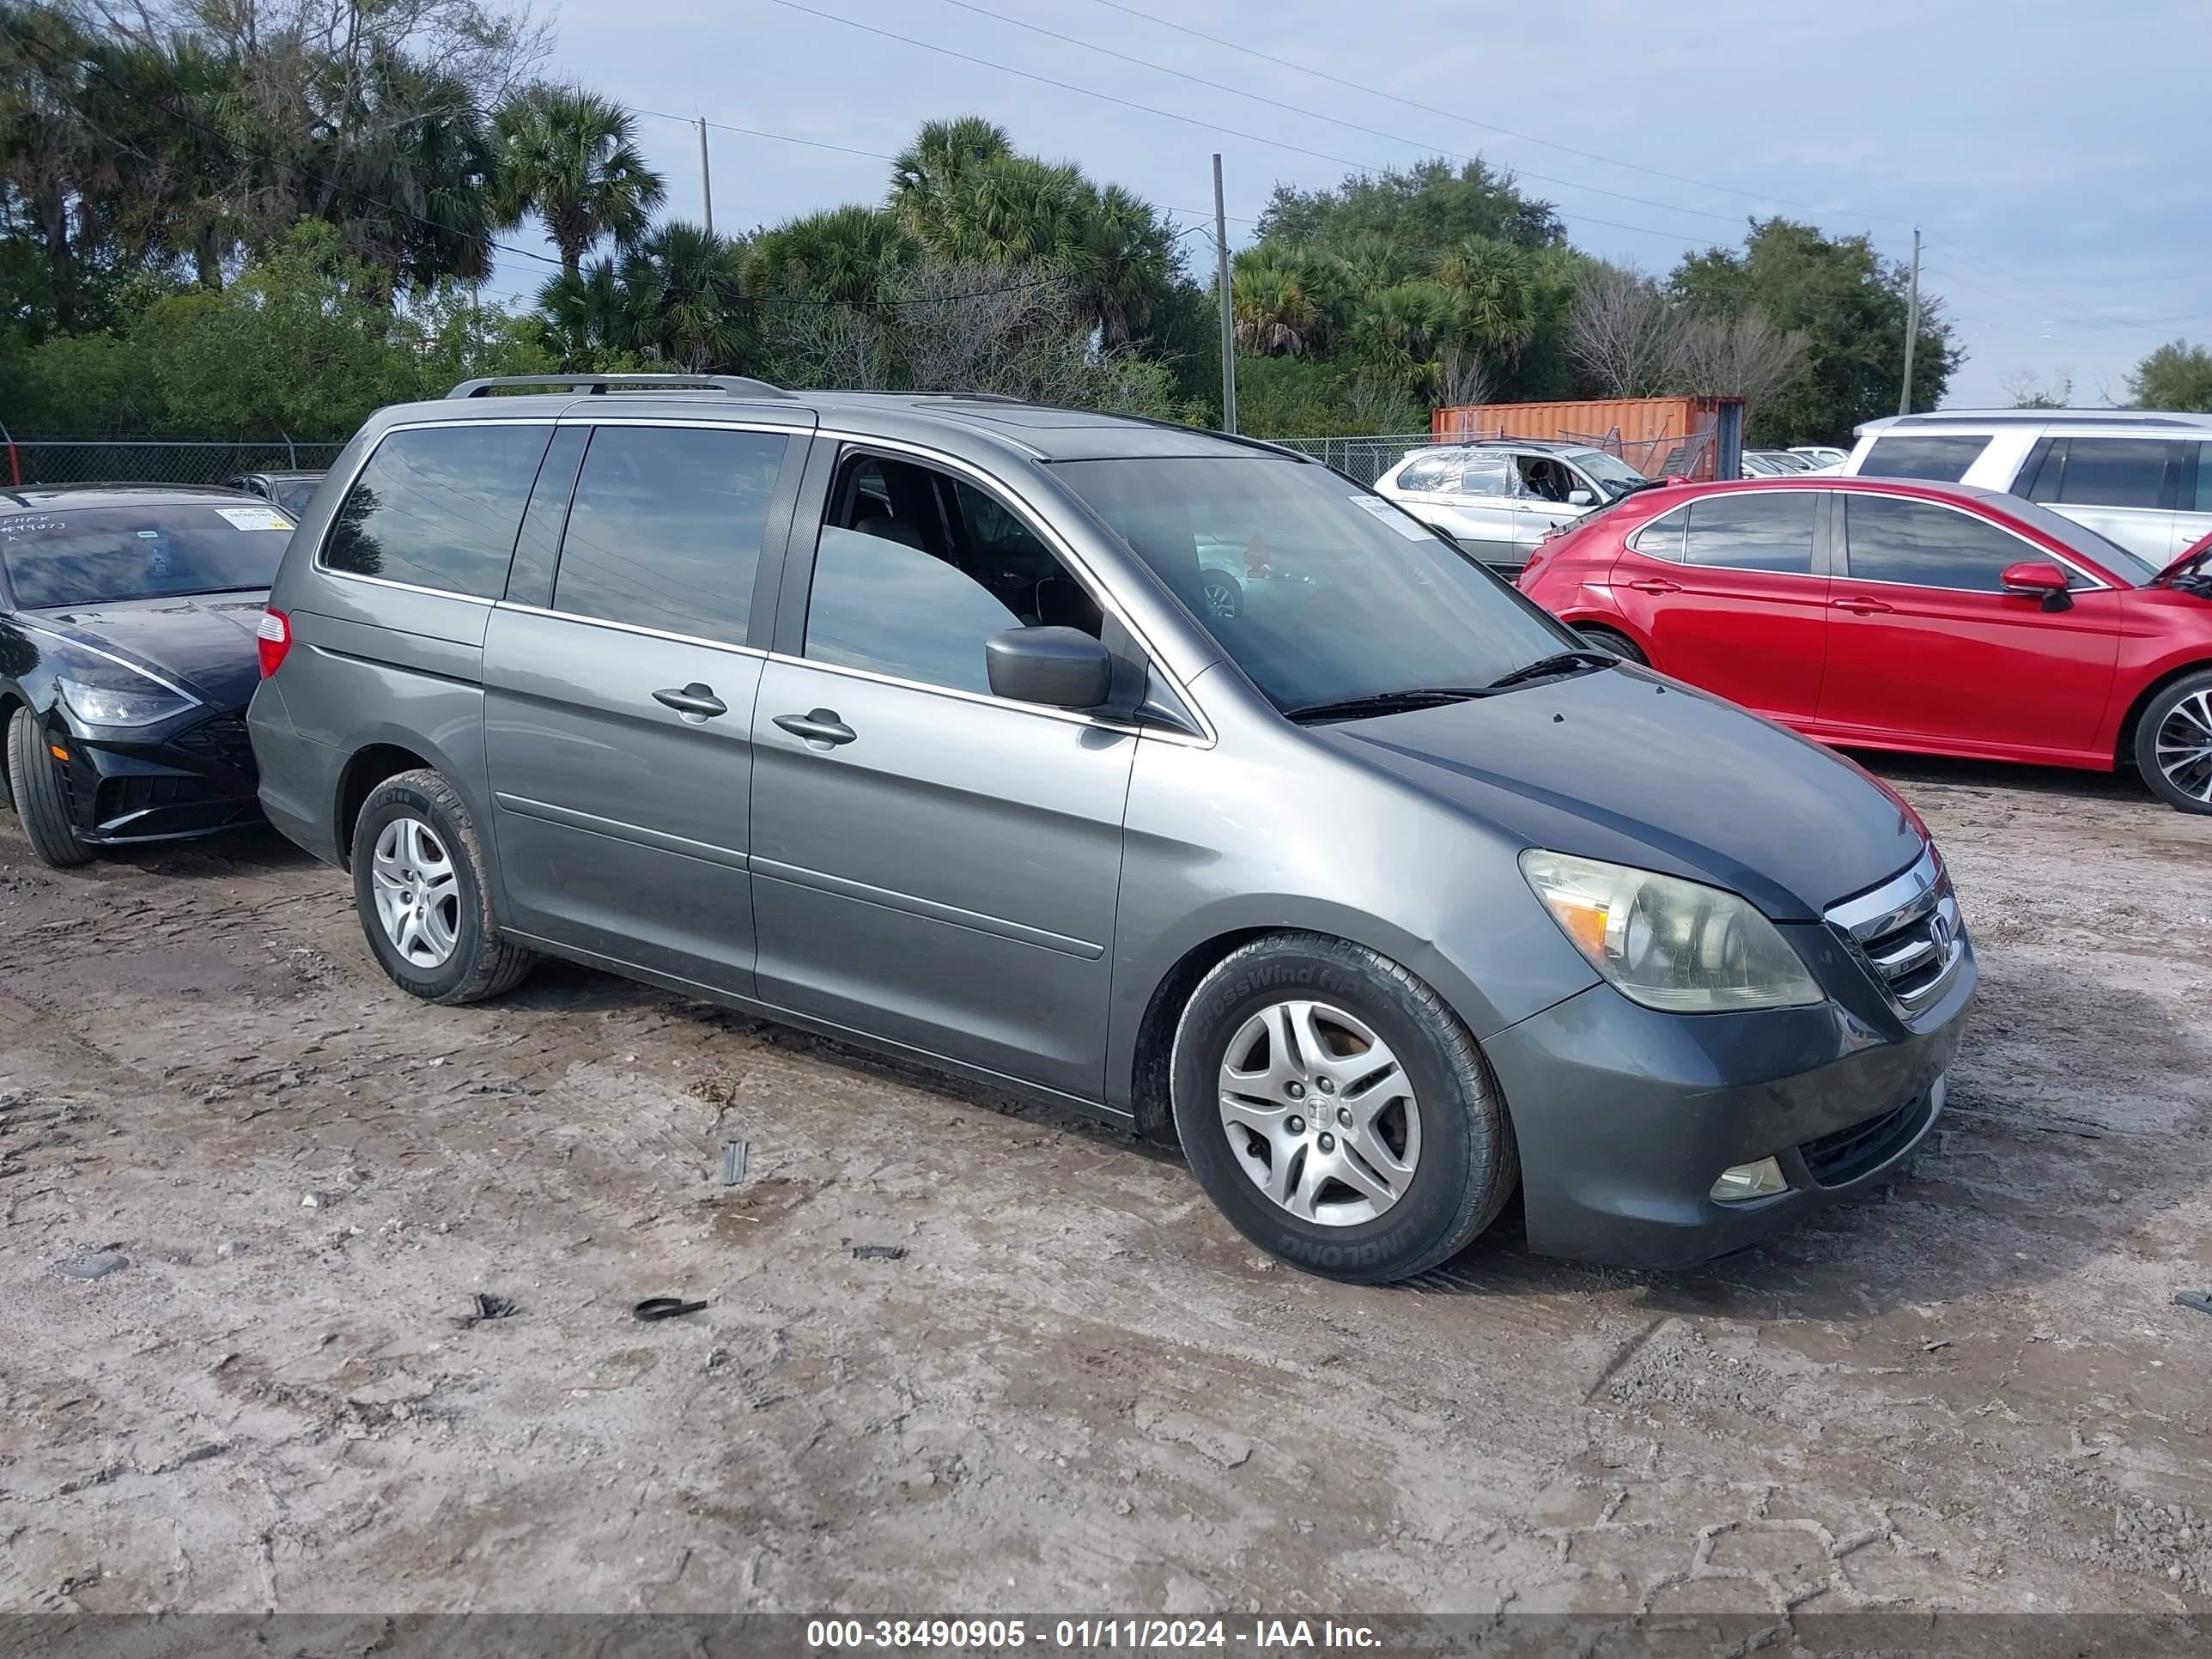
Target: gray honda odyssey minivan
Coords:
[[1158, 773]]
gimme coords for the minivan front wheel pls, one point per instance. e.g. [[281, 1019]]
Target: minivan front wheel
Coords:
[[419, 883], [1338, 1111]]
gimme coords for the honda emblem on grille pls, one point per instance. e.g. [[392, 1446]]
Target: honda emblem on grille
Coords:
[[1938, 931]]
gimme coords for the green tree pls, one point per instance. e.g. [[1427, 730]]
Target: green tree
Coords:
[[1848, 303], [942, 153], [1423, 208], [2176, 376], [1496, 288], [569, 158], [842, 254]]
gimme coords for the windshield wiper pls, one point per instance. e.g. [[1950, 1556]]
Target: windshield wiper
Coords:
[[1543, 667], [1383, 702]]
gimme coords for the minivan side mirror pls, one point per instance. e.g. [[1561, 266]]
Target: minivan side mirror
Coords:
[[2034, 579], [1579, 498], [1056, 667]]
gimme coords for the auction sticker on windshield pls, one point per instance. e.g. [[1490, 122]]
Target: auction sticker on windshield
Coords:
[[255, 517], [1412, 529]]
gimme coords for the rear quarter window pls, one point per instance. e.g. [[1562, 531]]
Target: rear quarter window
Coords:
[[1943, 457], [438, 506]]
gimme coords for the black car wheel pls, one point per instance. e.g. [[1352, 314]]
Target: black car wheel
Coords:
[[34, 779], [1621, 645], [2173, 743], [1338, 1111], [418, 882]]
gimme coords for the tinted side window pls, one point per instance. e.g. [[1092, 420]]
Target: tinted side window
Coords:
[[438, 506], [1945, 457], [914, 592], [883, 605], [1753, 530], [1895, 540], [1663, 537], [2112, 472], [666, 528], [2203, 495]]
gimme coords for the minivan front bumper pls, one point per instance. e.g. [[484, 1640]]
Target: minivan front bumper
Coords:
[[1625, 1116]]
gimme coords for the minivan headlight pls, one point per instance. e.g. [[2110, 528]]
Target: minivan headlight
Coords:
[[1669, 944], [109, 694]]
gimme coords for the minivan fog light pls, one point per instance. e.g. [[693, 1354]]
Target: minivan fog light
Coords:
[[1746, 1181]]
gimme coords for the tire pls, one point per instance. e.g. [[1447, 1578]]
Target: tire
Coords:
[[35, 782], [415, 842], [1445, 1187], [1608, 639], [1225, 599], [2174, 727]]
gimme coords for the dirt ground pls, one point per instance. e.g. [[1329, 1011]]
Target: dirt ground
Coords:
[[1078, 1388]]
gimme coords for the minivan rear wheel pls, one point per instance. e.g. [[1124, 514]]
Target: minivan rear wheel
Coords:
[[2173, 743], [419, 883], [1337, 1111]]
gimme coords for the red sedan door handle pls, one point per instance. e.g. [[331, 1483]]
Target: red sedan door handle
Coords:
[[1655, 585], [1860, 607]]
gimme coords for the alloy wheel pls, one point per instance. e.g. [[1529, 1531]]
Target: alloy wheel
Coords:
[[2183, 746], [1319, 1113], [418, 893]]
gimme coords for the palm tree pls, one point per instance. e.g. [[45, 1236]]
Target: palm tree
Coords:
[[1275, 315], [941, 154], [1404, 329], [1496, 289], [571, 158], [703, 320], [838, 255]]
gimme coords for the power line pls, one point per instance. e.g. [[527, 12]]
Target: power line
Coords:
[[1316, 115], [1170, 115], [1488, 126]]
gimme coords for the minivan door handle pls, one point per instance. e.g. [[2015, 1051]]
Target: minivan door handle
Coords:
[[695, 702], [819, 726], [1859, 606]]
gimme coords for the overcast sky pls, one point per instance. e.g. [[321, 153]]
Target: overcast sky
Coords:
[[2050, 152]]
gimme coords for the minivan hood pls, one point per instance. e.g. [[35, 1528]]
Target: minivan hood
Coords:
[[205, 641], [1627, 765]]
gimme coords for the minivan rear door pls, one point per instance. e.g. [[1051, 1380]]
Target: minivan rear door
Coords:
[[619, 682]]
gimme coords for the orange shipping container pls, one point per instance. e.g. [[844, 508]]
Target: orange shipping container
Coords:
[[1658, 436]]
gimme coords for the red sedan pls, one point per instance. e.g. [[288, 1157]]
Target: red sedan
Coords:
[[1883, 613]]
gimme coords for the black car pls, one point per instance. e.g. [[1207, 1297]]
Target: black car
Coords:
[[292, 490], [127, 654]]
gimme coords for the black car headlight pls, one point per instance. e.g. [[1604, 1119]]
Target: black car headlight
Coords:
[[102, 691]]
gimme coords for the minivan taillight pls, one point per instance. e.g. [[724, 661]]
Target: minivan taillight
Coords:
[[274, 639]]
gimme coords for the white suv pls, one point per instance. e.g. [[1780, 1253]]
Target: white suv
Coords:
[[1497, 498], [2136, 477]]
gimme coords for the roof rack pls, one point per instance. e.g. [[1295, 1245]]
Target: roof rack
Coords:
[[734, 385]]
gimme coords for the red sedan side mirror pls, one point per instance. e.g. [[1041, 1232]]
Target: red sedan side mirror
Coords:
[[2031, 578]]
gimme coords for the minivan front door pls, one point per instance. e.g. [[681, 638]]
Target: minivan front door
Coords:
[[933, 865], [618, 717]]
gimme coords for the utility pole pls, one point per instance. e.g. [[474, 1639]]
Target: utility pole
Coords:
[[706, 181], [1911, 326], [1228, 317]]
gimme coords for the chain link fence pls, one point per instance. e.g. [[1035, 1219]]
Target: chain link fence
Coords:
[[1366, 459], [153, 460]]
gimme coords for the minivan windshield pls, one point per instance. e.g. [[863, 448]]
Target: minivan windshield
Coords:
[[98, 554], [1323, 593]]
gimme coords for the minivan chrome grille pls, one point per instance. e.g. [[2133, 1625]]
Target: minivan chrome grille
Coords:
[[1907, 931]]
